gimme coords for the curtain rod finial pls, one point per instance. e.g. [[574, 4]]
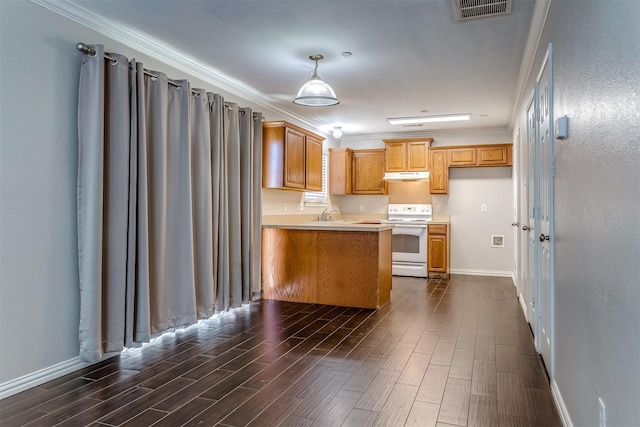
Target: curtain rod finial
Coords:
[[85, 49]]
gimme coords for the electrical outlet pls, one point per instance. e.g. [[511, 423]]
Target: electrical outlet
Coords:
[[483, 208], [298, 207], [437, 208], [284, 207], [361, 207], [603, 412]]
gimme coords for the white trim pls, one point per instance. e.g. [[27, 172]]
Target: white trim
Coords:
[[470, 272], [540, 13], [160, 51], [562, 409], [422, 134], [42, 376], [523, 305]]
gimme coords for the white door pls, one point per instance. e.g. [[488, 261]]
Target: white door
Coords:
[[529, 218], [516, 215], [546, 162]]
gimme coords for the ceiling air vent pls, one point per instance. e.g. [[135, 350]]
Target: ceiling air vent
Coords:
[[472, 9]]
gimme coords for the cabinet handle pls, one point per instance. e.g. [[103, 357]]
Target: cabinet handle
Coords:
[[544, 237], [515, 224], [526, 228]]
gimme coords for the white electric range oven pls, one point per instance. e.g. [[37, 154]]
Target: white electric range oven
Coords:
[[409, 242]]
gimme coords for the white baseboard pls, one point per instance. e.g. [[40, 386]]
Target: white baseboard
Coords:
[[469, 272], [562, 409], [42, 376], [523, 305]]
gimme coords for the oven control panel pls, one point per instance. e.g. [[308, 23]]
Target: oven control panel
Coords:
[[409, 210]]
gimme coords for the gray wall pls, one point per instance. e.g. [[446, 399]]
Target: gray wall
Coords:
[[596, 60], [39, 293], [38, 162]]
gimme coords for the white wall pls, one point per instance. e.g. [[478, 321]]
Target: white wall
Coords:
[[471, 230], [596, 71]]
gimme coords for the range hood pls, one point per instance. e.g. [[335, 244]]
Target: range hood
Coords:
[[405, 176]]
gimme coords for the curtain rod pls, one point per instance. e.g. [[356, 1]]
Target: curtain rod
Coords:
[[89, 51]]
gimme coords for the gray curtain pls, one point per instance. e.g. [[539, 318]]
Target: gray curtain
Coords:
[[168, 204]]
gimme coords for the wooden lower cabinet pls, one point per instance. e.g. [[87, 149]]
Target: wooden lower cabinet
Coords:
[[437, 251], [344, 268]]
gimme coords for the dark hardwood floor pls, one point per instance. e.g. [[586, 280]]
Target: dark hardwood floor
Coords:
[[441, 353]]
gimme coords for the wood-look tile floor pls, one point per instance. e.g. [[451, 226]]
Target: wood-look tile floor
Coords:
[[441, 353]]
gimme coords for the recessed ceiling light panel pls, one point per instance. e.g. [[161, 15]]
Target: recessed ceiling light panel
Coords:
[[428, 119]]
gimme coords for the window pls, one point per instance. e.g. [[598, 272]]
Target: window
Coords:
[[320, 198]]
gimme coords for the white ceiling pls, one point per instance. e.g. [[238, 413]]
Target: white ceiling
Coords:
[[408, 56]]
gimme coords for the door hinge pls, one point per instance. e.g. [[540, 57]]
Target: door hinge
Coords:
[[553, 166]]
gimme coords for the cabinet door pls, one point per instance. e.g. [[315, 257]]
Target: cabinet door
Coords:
[[396, 157], [462, 157], [340, 160], [313, 164], [495, 156], [294, 159], [438, 172], [417, 156], [368, 170], [437, 253]]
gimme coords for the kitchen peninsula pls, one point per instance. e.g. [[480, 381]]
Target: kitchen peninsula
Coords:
[[344, 263]]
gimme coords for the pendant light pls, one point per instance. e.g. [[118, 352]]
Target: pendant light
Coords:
[[315, 92]]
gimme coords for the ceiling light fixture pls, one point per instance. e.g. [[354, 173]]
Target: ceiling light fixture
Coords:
[[315, 92], [337, 132], [428, 119]]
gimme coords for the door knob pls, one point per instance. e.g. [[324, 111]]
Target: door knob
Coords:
[[543, 237], [514, 224], [526, 228]]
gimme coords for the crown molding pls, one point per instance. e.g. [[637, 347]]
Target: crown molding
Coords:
[[430, 134], [538, 21], [166, 54]]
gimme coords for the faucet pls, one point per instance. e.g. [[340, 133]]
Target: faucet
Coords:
[[326, 216]]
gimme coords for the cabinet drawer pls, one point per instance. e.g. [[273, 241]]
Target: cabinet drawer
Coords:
[[437, 229]]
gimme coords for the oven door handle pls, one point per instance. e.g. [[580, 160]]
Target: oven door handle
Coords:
[[410, 225]]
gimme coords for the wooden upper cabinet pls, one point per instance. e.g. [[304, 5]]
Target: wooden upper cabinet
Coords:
[[291, 157], [439, 172], [313, 163], [395, 157], [418, 156], [480, 155], [294, 159], [402, 155], [340, 164], [462, 157], [368, 171], [495, 155]]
